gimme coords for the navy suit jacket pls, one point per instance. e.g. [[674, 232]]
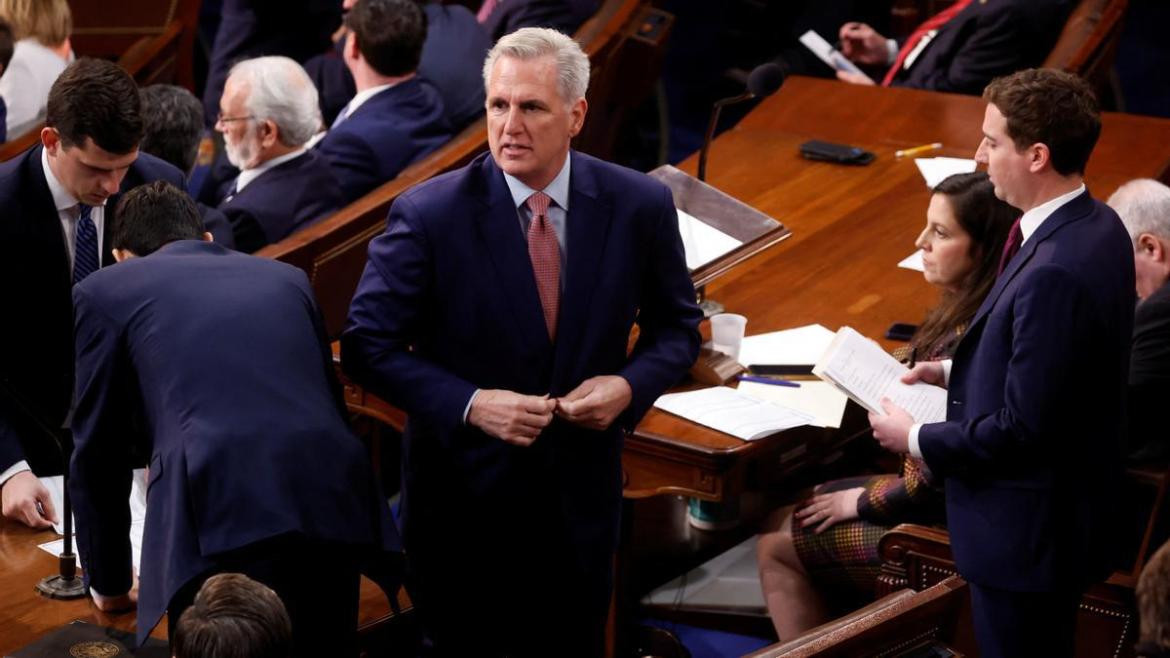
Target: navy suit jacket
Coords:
[[35, 284], [561, 15], [1035, 417], [392, 129], [217, 224], [225, 356], [986, 40], [452, 60], [448, 304], [1149, 376], [282, 200]]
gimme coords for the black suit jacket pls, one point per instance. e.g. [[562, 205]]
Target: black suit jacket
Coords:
[[562, 15], [35, 285], [987, 39], [288, 197], [1149, 376]]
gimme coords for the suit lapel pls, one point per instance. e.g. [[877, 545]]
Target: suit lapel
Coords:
[[499, 230], [46, 225]]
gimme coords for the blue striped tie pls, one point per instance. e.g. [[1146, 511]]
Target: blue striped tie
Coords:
[[85, 245]]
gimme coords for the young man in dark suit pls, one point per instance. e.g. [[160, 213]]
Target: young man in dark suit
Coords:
[[1031, 447], [253, 468], [58, 200], [496, 310], [397, 116]]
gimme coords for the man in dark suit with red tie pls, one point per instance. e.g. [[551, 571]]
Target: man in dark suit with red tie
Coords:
[[58, 199], [962, 48], [1031, 447], [496, 310]]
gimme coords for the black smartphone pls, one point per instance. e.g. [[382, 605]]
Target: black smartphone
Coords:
[[901, 331]]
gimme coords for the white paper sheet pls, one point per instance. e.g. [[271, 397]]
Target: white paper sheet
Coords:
[[727, 410], [829, 55], [702, 242], [913, 262], [820, 400], [137, 515], [934, 170], [866, 373], [801, 346]]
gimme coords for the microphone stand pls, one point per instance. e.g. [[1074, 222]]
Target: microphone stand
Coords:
[[65, 584]]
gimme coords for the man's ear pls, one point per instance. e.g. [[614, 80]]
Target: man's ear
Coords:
[[1039, 156], [207, 237], [51, 139], [269, 133], [123, 254]]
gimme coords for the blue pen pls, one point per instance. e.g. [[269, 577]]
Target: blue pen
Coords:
[[768, 380]]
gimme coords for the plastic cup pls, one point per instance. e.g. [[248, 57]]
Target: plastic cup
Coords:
[[727, 333]]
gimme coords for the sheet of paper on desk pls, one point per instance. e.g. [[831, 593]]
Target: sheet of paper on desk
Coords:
[[801, 346], [55, 547], [137, 513], [865, 372], [934, 170], [702, 242], [729, 411], [913, 262], [821, 400]]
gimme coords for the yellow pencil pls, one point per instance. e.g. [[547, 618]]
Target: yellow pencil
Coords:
[[917, 150]]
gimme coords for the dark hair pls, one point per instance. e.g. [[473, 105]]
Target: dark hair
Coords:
[[987, 220], [96, 99], [1153, 600], [233, 616], [6, 45], [1050, 107], [389, 34], [173, 121], [151, 215]]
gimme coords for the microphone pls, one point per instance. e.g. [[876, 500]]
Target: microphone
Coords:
[[762, 82]]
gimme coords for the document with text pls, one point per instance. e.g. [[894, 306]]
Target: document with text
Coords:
[[727, 410], [865, 372]]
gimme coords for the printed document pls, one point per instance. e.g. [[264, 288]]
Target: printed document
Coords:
[[729, 411]]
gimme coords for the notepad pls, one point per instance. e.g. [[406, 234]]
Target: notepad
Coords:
[[865, 372], [703, 243], [729, 411]]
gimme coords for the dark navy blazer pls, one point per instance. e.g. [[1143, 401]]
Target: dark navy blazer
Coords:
[[392, 129], [35, 283], [561, 15], [225, 356], [986, 40], [282, 200], [448, 303], [1036, 400]]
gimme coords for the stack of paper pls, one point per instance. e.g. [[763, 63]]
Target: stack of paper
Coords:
[[801, 346], [861, 369], [727, 410], [820, 400]]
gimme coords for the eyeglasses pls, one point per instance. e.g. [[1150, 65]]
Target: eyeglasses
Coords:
[[220, 118]]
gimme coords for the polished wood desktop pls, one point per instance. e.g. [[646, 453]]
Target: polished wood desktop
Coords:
[[850, 227]]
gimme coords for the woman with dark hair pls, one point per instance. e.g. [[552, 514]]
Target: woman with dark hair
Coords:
[[827, 545]]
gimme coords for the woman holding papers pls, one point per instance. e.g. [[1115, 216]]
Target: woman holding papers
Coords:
[[825, 548]]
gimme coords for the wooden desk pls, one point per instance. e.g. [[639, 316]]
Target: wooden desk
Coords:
[[850, 227]]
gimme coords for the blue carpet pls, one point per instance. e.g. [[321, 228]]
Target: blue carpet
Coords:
[[708, 643]]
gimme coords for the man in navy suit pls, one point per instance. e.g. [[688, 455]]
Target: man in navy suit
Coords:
[[496, 310], [500, 17], [267, 115], [452, 56], [1031, 446], [58, 200], [963, 48], [253, 467], [396, 117]]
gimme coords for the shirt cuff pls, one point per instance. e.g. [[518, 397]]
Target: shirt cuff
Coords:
[[946, 366], [912, 441], [18, 467], [891, 52], [467, 409]]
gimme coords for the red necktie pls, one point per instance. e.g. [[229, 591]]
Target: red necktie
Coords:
[[485, 10], [1015, 240], [932, 23], [545, 253]]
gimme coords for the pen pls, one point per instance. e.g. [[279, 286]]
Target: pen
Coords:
[[768, 380], [917, 150]]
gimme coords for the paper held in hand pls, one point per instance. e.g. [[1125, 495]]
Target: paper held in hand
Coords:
[[865, 372]]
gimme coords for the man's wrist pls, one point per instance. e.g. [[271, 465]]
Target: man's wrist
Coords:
[[467, 409], [19, 467]]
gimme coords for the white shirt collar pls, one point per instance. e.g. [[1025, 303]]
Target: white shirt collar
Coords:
[[1032, 219], [249, 175], [62, 199], [557, 190], [364, 95]]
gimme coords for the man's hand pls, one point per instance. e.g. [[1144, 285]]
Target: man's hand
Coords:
[[855, 78], [930, 372], [893, 429], [828, 509], [596, 402], [512, 417], [120, 603], [20, 497], [862, 44]]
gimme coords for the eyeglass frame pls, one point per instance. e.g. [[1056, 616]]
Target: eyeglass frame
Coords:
[[220, 118]]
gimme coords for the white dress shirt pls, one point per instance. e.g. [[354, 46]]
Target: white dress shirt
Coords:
[[1029, 222], [69, 210], [26, 82]]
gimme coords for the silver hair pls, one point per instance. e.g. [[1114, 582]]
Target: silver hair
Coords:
[[533, 42], [1144, 207], [280, 91]]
